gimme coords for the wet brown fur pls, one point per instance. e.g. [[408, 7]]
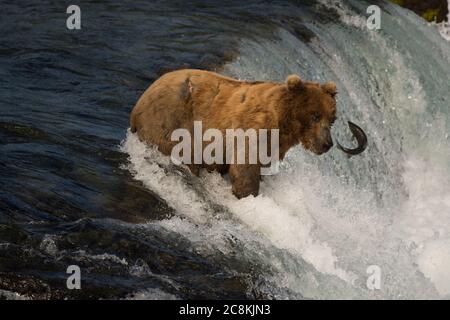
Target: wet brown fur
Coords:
[[303, 112]]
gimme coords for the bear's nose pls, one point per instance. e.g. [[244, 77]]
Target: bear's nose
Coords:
[[328, 145]]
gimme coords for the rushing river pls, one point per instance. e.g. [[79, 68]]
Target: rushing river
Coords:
[[77, 188]]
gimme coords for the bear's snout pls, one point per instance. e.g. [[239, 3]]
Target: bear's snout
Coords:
[[324, 148], [328, 145]]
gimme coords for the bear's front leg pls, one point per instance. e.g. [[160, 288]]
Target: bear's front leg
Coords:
[[245, 179], [195, 169]]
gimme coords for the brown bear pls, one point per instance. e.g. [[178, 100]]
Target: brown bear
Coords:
[[302, 111]]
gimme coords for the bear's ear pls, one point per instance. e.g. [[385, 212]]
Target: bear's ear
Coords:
[[294, 82], [330, 88]]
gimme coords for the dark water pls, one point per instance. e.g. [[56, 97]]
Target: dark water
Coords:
[[66, 197]]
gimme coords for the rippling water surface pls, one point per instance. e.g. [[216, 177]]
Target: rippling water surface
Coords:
[[77, 188]]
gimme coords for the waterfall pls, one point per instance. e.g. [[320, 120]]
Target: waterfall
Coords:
[[317, 226], [444, 26]]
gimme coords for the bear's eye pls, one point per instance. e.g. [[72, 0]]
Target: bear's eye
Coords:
[[316, 117]]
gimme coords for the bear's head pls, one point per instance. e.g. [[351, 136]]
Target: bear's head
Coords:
[[312, 111]]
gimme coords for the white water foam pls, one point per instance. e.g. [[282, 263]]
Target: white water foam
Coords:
[[297, 211], [444, 26], [151, 294], [10, 295], [424, 217], [257, 213], [389, 207]]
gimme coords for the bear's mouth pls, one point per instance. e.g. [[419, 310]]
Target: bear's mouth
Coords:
[[360, 137]]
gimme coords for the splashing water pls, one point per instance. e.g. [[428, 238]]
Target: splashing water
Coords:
[[444, 26], [322, 221]]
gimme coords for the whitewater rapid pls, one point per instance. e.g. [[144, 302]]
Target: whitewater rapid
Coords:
[[319, 224], [444, 26]]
